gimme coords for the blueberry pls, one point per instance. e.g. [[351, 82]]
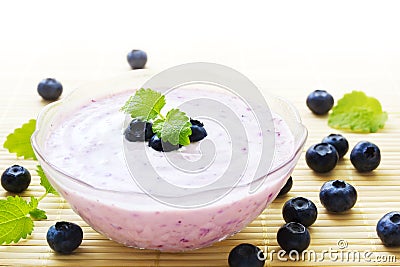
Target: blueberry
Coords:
[[155, 143], [301, 210], [15, 179], [64, 237], [196, 122], [388, 229], [286, 188], [50, 89], [322, 157], [246, 255], [337, 196], [365, 156], [137, 59], [159, 145], [138, 130], [320, 102], [339, 142], [293, 236], [198, 131]]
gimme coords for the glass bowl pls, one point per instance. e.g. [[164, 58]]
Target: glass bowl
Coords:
[[136, 220]]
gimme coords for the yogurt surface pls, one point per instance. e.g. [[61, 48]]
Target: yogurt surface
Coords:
[[88, 144]]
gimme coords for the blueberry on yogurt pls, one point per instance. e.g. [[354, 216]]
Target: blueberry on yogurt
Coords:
[[198, 131], [138, 130], [157, 144]]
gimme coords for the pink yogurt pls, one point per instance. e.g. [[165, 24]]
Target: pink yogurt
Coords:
[[87, 144]]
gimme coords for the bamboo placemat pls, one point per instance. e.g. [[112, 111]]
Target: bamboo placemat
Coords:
[[378, 194]]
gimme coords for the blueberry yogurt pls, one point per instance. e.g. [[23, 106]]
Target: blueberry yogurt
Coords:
[[87, 145]]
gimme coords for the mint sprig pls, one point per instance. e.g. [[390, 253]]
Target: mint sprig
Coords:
[[146, 105], [17, 214], [174, 128]]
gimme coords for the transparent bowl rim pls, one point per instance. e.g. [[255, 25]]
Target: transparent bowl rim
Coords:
[[40, 155]]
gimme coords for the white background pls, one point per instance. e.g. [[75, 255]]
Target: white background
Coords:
[[279, 44]]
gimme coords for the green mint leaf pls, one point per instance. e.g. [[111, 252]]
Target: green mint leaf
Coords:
[[38, 214], [34, 203], [357, 112], [158, 125], [146, 104], [19, 141], [175, 128], [44, 182], [14, 222]]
